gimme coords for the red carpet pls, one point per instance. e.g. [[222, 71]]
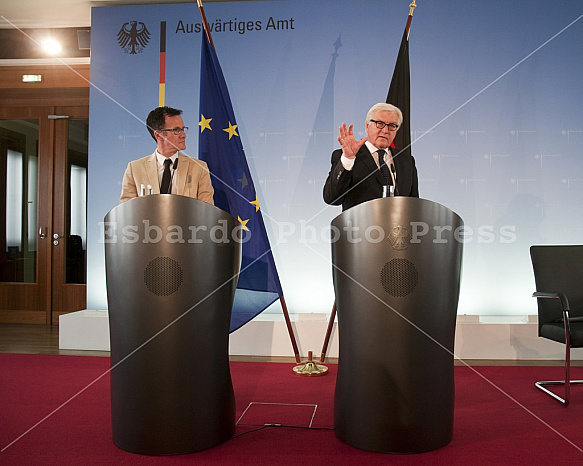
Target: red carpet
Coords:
[[55, 411]]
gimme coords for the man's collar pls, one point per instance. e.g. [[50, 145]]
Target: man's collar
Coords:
[[372, 148], [160, 158]]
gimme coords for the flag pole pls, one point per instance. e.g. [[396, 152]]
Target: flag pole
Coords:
[[205, 24], [281, 299], [290, 330], [328, 334], [412, 7]]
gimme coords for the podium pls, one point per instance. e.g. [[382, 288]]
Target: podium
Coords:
[[171, 269], [396, 270]]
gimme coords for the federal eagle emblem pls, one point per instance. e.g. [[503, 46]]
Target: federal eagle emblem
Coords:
[[133, 37], [399, 238]]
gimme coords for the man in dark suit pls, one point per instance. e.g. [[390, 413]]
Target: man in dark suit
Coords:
[[357, 174]]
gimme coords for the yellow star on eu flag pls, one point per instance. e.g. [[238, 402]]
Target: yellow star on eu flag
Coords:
[[255, 203], [232, 130], [205, 123], [243, 223]]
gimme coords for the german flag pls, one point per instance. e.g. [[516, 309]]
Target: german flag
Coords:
[[162, 85], [400, 89]]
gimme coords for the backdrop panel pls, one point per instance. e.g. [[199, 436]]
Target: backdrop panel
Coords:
[[496, 121]]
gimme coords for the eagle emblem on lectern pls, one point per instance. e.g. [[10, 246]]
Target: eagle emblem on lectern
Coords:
[[133, 37], [399, 238]]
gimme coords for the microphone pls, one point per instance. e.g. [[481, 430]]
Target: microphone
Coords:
[[394, 178]]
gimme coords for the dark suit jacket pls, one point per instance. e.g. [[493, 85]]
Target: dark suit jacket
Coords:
[[364, 182]]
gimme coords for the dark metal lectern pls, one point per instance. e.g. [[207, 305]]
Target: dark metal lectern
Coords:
[[171, 267], [397, 292]]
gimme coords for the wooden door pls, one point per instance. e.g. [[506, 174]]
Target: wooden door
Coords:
[[41, 275], [26, 204], [69, 220]]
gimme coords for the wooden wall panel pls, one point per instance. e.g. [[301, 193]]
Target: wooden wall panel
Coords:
[[53, 76]]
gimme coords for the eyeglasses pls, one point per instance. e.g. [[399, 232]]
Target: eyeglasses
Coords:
[[176, 131], [382, 124]]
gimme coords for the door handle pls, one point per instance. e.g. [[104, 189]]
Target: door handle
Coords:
[[41, 234], [57, 236]]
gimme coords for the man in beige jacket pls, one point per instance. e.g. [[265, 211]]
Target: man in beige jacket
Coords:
[[184, 175]]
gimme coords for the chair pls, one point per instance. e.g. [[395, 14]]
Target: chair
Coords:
[[558, 274]]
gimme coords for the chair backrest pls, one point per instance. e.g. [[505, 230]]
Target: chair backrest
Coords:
[[558, 269]]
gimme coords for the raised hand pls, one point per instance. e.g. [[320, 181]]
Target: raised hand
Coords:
[[350, 146]]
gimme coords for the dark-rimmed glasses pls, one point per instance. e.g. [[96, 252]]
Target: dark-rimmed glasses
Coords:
[[176, 130], [382, 124]]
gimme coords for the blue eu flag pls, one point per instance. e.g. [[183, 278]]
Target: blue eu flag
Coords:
[[220, 147]]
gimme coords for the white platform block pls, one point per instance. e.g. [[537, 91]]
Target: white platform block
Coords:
[[477, 337], [84, 330]]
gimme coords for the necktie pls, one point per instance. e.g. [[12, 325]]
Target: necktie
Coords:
[[385, 172], [165, 187]]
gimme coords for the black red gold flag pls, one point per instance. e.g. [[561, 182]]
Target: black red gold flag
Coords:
[[400, 93]]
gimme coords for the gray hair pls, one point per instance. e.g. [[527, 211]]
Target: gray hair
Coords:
[[384, 107]]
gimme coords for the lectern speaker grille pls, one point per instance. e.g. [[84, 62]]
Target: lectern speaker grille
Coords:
[[399, 277], [163, 276]]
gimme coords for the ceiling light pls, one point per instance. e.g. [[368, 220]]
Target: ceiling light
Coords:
[[52, 47]]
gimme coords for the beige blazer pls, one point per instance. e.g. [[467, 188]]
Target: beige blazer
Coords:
[[193, 178]]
